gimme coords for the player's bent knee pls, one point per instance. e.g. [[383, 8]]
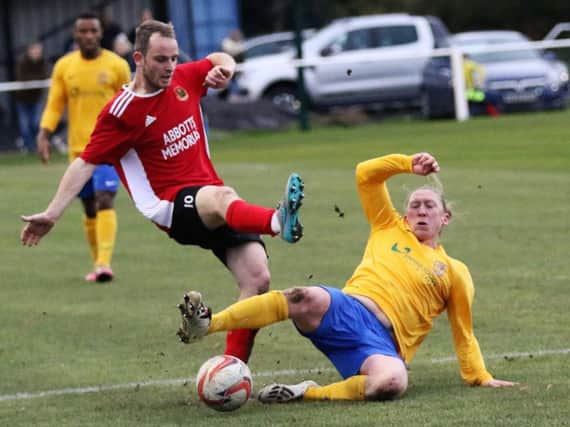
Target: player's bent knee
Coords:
[[295, 295], [224, 196], [307, 306], [262, 280], [390, 387]]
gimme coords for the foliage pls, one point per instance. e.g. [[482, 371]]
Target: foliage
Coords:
[[532, 18]]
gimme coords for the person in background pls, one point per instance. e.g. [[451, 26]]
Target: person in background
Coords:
[[474, 74], [371, 329], [30, 66], [233, 45], [83, 81], [123, 47], [144, 15], [110, 28]]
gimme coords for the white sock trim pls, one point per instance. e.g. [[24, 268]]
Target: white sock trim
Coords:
[[275, 226]]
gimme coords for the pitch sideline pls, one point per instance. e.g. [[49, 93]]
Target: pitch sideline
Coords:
[[286, 372]]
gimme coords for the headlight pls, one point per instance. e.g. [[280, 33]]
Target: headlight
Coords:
[[563, 76]]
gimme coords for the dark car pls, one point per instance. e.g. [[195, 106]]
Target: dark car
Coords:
[[515, 80]]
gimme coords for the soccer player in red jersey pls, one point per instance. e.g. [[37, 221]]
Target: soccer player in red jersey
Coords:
[[152, 132]]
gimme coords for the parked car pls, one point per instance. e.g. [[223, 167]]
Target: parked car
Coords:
[[270, 44], [518, 79], [347, 64]]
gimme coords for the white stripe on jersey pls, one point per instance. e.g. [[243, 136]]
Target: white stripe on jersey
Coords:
[[146, 201], [121, 103], [205, 133]]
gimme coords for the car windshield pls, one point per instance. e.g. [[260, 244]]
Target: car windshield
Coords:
[[474, 48], [273, 43]]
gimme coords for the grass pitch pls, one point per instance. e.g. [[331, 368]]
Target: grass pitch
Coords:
[[78, 354]]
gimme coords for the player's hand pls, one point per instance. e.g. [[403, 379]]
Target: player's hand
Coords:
[[424, 164], [218, 77], [43, 147], [37, 226], [494, 383]]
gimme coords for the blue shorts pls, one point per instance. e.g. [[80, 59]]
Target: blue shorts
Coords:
[[349, 333], [105, 178]]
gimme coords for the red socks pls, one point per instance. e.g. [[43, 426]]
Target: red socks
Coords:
[[246, 218], [239, 343]]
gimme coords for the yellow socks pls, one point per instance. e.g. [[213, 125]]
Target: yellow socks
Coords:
[[252, 313], [91, 235], [350, 389], [106, 229]]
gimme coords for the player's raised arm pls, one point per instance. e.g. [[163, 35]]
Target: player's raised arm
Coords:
[[38, 225], [222, 72]]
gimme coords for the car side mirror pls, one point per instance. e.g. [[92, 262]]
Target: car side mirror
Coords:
[[327, 51]]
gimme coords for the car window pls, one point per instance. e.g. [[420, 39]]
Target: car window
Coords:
[[371, 38], [359, 39], [269, 48], [395, 35]]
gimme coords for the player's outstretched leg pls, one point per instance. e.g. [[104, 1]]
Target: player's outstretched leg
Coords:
[[282, 393], [291, 227], [196, 318]]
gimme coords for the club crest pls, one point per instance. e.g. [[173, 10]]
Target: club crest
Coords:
[[180, 93], [103, 78], [439, 268]]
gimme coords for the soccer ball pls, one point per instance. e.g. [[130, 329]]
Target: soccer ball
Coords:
[[224, 383]]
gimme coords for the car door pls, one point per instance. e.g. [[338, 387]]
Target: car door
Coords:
[[355, 67]]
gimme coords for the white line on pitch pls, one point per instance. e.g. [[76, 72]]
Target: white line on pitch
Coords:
[[285, 372]]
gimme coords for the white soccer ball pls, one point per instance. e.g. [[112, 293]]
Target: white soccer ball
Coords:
[[224, 383]]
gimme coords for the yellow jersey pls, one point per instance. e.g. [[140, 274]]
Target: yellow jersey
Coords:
[[410, 282], [85, 86], [474, 74]]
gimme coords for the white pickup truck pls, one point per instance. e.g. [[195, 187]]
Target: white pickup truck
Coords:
[[375, 59]]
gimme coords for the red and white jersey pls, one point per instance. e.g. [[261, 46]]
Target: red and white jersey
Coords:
[[156, 141]]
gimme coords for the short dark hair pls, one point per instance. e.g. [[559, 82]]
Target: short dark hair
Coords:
[[147, 29], [87, 15]]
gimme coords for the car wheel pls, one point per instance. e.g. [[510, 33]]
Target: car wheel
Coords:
[[425, 105], [285, 97]]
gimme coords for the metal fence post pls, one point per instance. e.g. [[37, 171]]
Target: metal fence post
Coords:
[[458, 79]]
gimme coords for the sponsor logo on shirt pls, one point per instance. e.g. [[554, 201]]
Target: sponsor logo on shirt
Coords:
[[395, 248], [427, 276], [180, 138], [180, 93]]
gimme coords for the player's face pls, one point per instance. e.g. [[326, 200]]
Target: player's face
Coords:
[[160, 61], [87, 34], [426, 215]]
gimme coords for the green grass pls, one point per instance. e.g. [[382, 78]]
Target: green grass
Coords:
[[509, 178]]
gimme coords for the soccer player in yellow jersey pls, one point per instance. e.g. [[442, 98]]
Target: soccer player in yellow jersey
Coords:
[[84, 81], [372, 328]]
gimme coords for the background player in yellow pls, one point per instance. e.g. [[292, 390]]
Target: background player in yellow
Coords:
[[84, 81], [371, 328]]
